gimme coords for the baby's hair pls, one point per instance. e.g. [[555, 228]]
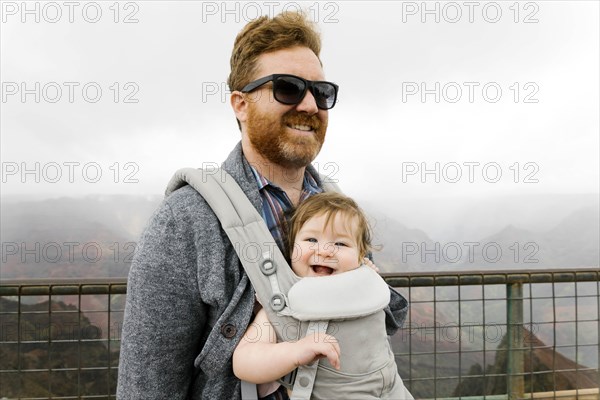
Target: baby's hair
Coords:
[[330, 204]]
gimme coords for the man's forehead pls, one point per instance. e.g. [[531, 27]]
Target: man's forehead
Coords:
[[300, 61]]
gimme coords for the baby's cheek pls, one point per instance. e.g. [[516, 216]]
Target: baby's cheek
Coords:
[[296, 253], [296, 259], [298, 267]]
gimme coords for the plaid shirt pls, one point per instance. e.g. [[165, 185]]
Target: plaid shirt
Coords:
[[277, 206]]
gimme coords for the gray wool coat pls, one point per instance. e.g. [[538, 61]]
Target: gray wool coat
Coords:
[[189, 301]]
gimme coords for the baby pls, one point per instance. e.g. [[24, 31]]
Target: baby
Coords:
[[329, 235]]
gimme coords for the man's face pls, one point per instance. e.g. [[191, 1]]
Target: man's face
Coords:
[[287, 135]]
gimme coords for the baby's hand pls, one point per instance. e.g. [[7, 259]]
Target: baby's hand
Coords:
[[370, 264], [315, 346]]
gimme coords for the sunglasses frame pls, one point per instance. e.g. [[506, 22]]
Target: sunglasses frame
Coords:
[[308, 85]]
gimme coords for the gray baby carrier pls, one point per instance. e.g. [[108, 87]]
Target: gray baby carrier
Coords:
[[348, 306]]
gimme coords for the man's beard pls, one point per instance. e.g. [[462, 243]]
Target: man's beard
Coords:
[[270, 137]]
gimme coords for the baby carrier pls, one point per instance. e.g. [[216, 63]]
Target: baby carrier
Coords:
[[348, 306]]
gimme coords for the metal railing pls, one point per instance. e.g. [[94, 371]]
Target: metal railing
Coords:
[[500, 334], [60, 338], [492, 334]]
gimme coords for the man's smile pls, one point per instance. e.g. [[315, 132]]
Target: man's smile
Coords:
[[304, 128], [301, 124]]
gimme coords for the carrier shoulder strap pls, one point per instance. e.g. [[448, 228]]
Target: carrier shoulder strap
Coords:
[[250, 238], [249, 235], [254, 246]]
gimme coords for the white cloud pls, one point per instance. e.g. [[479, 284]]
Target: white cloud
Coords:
[[171, 56]]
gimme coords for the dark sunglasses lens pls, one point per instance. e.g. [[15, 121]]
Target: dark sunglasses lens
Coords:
[[324, 95], [288, 90]]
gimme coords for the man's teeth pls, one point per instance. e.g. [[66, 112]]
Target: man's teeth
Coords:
[[302, 127]]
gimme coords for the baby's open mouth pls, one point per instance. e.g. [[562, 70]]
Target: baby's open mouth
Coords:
[[321, 270]]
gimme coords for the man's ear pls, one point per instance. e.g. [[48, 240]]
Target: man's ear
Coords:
[[239, 104]]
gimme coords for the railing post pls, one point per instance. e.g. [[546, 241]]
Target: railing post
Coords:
[[515, 384]]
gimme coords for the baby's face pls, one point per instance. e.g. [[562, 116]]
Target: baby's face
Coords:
[[321, 250]]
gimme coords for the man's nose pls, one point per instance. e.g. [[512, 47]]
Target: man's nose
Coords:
[[308, 104]]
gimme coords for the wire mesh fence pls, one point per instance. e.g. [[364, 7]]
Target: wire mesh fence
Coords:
[[511, 335], [494, 335]]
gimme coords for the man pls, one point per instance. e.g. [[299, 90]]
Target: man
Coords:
[[189, 300]]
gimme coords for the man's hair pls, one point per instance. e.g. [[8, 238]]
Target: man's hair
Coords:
[[264, 35], [331, 204]]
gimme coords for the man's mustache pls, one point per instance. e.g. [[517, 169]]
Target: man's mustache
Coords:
[[295, 118]]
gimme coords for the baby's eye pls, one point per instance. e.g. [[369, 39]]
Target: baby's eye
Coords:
[[312, 240], [340, 244]]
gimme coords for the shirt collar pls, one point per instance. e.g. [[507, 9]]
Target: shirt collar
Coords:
[[309, 183], [261, 181]]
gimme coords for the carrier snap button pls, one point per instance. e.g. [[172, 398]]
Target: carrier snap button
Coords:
[[267, 267], [228, 330], [304, 381], [277, 302]]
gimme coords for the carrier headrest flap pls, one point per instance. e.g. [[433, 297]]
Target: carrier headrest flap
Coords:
[[347, 295]]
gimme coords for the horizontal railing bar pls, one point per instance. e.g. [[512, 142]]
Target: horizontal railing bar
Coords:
[[524, 348], [64, 281], [489, 397], [91, 396], [577, 393], [465, 376], [96, 396], [37, 370], [459, 278], [64, 287], [473, 325], [67, 286]]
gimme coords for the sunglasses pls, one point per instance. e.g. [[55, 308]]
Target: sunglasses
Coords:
[[291, 89]]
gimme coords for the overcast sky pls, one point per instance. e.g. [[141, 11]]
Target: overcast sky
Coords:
[[517, 87]]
